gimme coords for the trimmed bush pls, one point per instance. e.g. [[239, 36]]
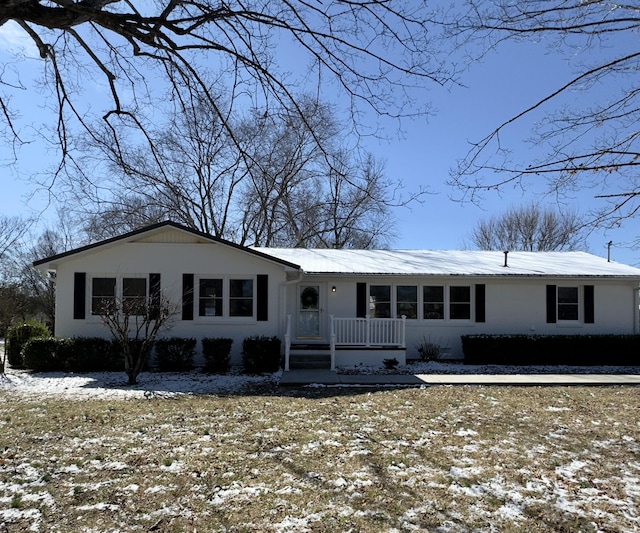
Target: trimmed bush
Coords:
[[43, 354], [261, 354], [78, 354], [91, 354], [17, 337], [216, 352], [175, 354], [574, 350]]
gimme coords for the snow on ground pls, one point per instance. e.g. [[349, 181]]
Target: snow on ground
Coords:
[[457, 367], [113, 385]]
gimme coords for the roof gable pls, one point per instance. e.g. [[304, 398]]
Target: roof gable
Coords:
[[162, 233], [171, 235]]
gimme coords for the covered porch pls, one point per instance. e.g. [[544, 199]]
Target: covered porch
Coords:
[[352, 341]]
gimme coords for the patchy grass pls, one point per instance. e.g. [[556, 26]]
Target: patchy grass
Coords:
[[437, 458]]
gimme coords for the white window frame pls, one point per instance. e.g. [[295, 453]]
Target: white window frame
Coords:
[[397, 314], [450, 303], [90, 291], [446, 319], [119, 288], [578, 304], [226, 299]]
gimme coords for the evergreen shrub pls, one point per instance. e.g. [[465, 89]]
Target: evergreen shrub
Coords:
[[574, 350], [42, 354], [261, 354], [217, 355], [17, 337], [175, 354], [91, 354]]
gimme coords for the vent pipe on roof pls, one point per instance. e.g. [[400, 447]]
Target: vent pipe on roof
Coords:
[[506, 253], [609, 251]]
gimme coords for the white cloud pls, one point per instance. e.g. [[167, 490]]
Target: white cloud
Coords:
[[14, 40]]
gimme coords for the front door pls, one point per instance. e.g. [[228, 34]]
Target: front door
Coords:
[[309, 312]]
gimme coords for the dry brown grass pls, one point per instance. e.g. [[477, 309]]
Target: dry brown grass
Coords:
[[431, 459]]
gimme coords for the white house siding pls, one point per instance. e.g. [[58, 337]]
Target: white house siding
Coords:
[[515, 296], [171, 261], [512, 305]]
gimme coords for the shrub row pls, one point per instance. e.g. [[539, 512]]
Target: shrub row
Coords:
[[580, 350], [174, 354], [80, 354]]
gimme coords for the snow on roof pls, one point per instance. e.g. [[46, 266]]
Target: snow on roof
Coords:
[[451, 263]]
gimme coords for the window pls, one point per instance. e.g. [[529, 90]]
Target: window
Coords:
[[568, 303], [134, 296], [433, 302], [380, 301], [460, 303], [241, 297], [210, 297], [407, 301], [103, 295]]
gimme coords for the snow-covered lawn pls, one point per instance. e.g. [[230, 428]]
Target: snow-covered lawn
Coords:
[[88, 453], [113, 385]]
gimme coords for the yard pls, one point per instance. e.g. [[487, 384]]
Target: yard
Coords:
[[259, 458]]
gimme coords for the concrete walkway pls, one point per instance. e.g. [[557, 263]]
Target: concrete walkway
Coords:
[[328, 377]]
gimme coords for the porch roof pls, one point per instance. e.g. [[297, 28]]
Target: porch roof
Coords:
[[451, 263]]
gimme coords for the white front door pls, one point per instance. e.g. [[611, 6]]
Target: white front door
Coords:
[[309, 312]]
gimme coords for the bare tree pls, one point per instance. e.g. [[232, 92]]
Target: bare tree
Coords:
[[300, 196], [135, 326], [530, 228], [129, 212], [41, 286], [142, 57], [11, 231], [590, 137], [279, 189]]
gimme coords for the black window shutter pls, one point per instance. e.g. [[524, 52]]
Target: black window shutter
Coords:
[[589, 307], [79, 295], [551, 304], [154, 296], [361, 302], [187, 296], [480, 299], [262, 298]]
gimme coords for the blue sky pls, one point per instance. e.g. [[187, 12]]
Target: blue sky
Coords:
[[499, 87]]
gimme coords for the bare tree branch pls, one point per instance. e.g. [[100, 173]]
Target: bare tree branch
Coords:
[[378, 54], [589, 142]]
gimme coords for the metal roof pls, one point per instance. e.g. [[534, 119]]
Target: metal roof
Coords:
[[451, 263]]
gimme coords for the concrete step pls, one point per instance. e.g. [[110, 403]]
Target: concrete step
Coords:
[[308, 359]]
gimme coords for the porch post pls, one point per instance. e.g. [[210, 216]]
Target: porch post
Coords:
[[332, 341], [367, 333], [403, 333]]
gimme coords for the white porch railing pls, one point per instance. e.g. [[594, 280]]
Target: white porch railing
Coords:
[[366, 332], [363, 332]]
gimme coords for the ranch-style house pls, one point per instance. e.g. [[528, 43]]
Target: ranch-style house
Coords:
[[342, 307]]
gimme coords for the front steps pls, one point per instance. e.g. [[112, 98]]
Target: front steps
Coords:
[[310, 357]]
